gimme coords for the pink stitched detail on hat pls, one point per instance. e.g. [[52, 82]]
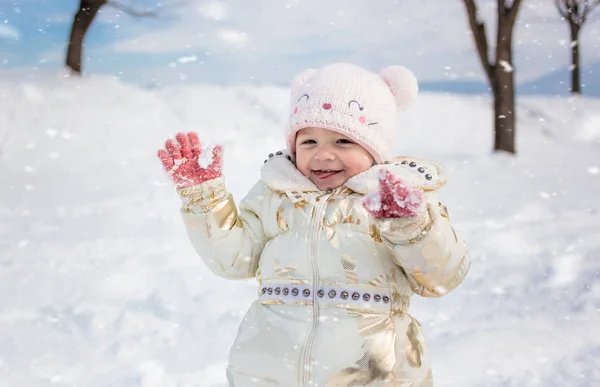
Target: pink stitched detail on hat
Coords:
[[296, 110], [326, 106], [362, 119]]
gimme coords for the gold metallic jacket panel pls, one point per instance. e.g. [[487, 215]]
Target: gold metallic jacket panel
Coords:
[[332, 305]]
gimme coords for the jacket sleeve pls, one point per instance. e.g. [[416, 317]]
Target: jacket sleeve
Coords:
[[431, 252], [229, 242]]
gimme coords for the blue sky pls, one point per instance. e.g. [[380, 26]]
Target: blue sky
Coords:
[[39, 28], [268, 41], [35, 35]]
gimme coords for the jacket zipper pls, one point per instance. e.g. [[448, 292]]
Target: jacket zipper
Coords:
[[305, 366]]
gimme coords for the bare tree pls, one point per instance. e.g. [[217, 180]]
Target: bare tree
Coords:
[[88, 9], [499, 69], [576, 13]]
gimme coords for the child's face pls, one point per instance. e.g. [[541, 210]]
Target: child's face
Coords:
[[328, 158]]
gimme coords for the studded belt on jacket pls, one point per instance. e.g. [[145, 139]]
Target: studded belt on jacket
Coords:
[[345, 297]]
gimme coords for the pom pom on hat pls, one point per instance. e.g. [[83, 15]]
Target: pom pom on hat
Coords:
[[402, 83]]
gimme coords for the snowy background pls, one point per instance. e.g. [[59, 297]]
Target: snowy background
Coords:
[[100, 287]]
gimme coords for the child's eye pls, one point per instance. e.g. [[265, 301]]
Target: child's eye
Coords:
[[344, 141], [309, 142]]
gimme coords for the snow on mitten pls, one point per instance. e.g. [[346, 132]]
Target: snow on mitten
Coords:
[[187, 163], [394, 198]]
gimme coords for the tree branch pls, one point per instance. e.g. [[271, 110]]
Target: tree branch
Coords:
[[576, 11], [588, 8], [502, 7], [131, 11], [564, 12], [478, 30], [513, 11], [596, 16]]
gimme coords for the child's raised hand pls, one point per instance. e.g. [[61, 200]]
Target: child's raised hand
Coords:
[[394, 198], [187, 163]]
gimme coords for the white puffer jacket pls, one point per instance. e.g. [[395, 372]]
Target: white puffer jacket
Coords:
[[334, 283]]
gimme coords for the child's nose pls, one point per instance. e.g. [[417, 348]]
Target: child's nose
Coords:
[[324, 153]]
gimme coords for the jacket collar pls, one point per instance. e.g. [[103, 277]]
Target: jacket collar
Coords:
[[280, 174]]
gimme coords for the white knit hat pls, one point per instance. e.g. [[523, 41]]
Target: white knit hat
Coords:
[[354, 102]]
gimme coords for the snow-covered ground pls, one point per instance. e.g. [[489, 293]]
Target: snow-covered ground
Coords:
[[100, 287]]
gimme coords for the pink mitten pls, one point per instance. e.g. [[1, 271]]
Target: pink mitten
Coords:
[[187, 163], [394, 198]]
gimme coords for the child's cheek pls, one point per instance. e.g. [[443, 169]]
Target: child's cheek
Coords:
[[363, 163], [303, 168]]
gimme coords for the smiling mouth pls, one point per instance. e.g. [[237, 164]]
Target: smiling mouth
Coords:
[[325, 173]]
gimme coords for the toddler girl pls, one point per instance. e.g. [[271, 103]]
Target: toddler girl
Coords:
[[337, 232]]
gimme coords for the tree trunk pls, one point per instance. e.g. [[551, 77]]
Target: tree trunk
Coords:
[[81, 22], [500, 72], [575, 70], [503, 87]]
